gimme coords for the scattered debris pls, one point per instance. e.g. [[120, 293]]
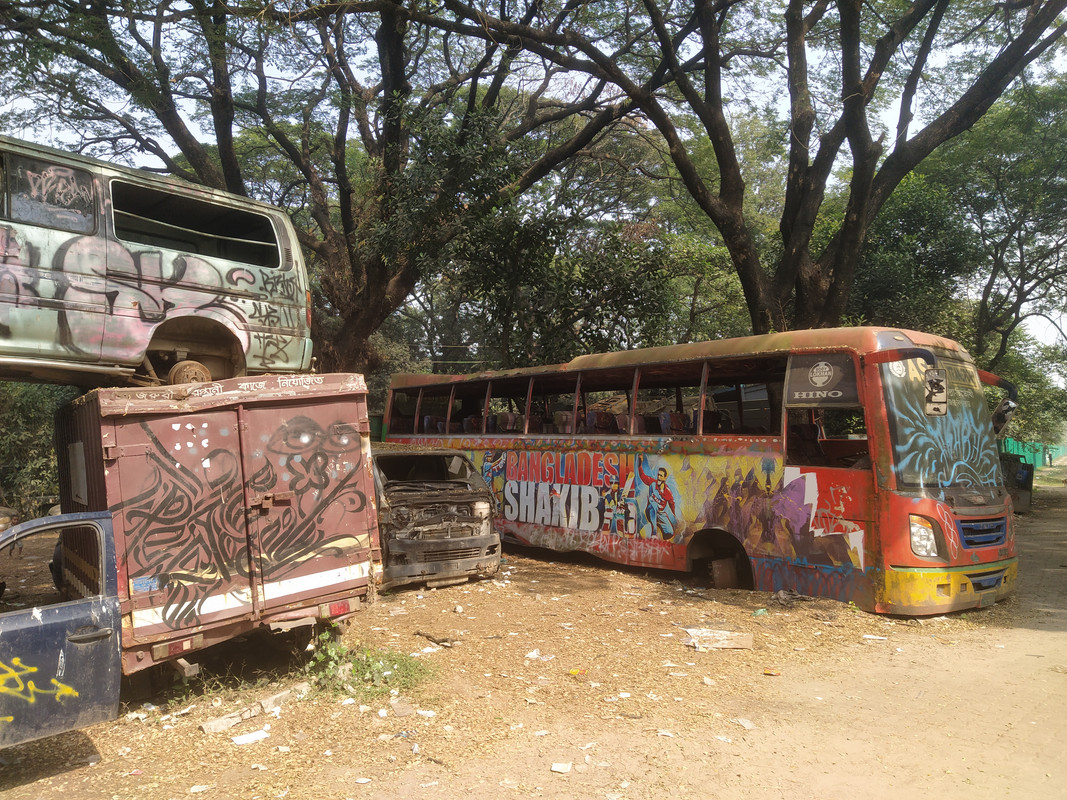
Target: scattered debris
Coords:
[[562, 768], [535, 655], [441, 641], [271, 704], [704, 639], [249, 738], [789, 597]]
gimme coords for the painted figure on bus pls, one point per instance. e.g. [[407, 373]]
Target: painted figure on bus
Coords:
[[660, 512], [614, 509], [493, 468]]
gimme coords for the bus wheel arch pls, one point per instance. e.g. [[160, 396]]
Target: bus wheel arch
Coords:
[[194, 350], [720, 558]]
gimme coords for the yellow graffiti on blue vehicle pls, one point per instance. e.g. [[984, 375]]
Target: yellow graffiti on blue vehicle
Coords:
[[13, 683]]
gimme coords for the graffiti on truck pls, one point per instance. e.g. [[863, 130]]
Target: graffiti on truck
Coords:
[[94, 259], [185, 528], [15, 682]]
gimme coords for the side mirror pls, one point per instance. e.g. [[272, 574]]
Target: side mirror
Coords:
[[1003, 413]]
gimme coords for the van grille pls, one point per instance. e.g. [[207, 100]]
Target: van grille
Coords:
[[453, 554], [983, 533]]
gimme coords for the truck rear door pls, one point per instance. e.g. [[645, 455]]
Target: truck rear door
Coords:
[[59, 627], [181, 516], [310, 500]]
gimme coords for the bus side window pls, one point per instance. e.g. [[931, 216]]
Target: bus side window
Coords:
[[827, 437], [844, 437]]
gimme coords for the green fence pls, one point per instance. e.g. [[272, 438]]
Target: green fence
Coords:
[[1036, 454]]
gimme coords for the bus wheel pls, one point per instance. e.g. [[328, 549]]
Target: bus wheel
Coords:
[[189, 372]]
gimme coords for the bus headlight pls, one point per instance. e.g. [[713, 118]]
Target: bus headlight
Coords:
[[923, 537]]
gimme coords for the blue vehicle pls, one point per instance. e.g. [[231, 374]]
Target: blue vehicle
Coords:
[[60, 661]]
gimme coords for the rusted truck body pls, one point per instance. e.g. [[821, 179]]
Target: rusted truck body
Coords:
[[194, 513], [435, 517]]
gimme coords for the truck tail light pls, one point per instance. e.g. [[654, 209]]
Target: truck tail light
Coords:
[[337, 608]]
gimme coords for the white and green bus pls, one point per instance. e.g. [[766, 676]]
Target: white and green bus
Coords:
[[110, 275]]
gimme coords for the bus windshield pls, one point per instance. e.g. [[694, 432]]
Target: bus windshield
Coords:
[[936, 453]]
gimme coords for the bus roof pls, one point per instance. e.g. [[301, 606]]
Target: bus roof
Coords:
[[860, 340]]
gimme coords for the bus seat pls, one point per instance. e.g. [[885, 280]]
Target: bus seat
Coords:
[[490, 423], [433, 424], [802, 445], [509, 423], [600, 423], [472, 424], [673, 422], [564, 422], [650, 424], [623, 422]]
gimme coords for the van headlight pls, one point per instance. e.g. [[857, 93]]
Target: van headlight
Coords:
[[481, 509], [923, 537]]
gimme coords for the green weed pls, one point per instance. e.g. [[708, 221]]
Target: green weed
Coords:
[[362, 672]]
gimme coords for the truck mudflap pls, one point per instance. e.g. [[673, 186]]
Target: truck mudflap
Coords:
[[451, 560], [924, 591]]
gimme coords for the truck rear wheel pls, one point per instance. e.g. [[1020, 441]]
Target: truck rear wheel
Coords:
[[189, 371]]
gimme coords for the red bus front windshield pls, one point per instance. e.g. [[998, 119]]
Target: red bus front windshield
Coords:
[[936, 454]]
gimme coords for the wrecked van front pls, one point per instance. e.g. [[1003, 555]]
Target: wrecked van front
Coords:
[[435, 517]]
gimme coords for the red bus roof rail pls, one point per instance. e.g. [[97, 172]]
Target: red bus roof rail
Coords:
[[990, 379]]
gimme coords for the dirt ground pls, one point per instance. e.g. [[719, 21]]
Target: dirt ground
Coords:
[[568, 678]]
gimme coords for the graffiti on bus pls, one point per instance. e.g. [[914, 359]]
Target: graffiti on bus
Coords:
[[615, 502]]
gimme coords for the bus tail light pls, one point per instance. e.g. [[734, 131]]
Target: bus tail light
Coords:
[[925, 535], [307, 297]]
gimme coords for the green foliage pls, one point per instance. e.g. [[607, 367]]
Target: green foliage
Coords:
[[545, 290], [1008, 176], [709, 302], [1040, 374], [917, 253], [28, 469], [393, 353], [362, 672]]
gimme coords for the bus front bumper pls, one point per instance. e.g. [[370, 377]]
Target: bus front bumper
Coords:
[[917, 591]]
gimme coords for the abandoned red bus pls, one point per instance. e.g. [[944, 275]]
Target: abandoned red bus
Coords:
[[854, 463]]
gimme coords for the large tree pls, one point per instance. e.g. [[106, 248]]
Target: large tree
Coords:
[[831, 69], [1008, 175], [390, 128], [386, 139]]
